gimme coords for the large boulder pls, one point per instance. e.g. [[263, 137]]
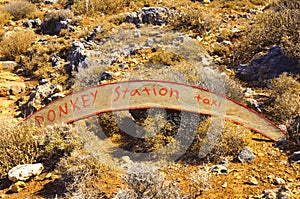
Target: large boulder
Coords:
[[57, 20], [43, 94], [264, 68], [148, 15], [24, 172], [78, 57]]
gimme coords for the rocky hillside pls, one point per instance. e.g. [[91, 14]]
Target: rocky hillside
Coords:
[[247, 50]]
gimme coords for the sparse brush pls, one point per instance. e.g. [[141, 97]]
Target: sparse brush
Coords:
[[215, 140], [94, 7], [144, 181], [16, 43], [26, 143], [274, 28], [19, 145], [4, 17], [20, 9], [284, 105]]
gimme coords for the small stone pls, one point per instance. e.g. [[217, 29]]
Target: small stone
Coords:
[[24, 172], [220, 39], [246, 155], [271, 195], [284, 195], [48, 176], [252, 180], [224, 185], [106, 76], [296, 156], [224, 162], [17, 187], [219, 169], [126, 159], [279, 181], [58, 88]]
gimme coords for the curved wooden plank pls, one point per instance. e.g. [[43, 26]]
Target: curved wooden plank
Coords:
[[141, 94]]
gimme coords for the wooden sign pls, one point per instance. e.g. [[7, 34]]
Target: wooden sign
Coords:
[[143, 94]]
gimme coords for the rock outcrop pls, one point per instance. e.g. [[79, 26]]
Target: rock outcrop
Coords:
[[264, 68], [24, 172]]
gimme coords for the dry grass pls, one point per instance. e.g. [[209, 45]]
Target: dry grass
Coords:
[[283, 106], [95, 7], [215, 141], [276, 27], [20, 9], [16, 43], [24, 144]]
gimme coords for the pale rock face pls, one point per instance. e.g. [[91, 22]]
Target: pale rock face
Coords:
[[24, 172]]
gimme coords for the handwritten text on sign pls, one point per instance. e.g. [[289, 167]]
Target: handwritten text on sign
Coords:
[[150, 94]]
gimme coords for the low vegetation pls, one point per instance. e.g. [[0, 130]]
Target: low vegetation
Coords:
[[283, 107], [278, 26], [20, 9], [25, 144], [16, 43], [87, 166]]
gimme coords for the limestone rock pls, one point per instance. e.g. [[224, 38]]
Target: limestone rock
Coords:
[[296, 156], [53, 26], [24, 172], [148, 15], [246, 155], [7, 65], [279, 181], [9, 76], [252, 180], [267, 67], [43, 94], [219, 169], [11, 88], [78, 57]]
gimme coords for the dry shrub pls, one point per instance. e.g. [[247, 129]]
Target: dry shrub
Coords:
[[88, 170], [19, 145], [272, 28], [284, 105], [192, 17], [85, 176], [215, 141], [26, 143], [16, 43], [20, 9], [165, 58], [144, 181], [94, 7], [4, 17], [37, 61]]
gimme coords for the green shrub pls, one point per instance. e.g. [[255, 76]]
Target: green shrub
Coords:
[[20, 9], [16, 43]]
